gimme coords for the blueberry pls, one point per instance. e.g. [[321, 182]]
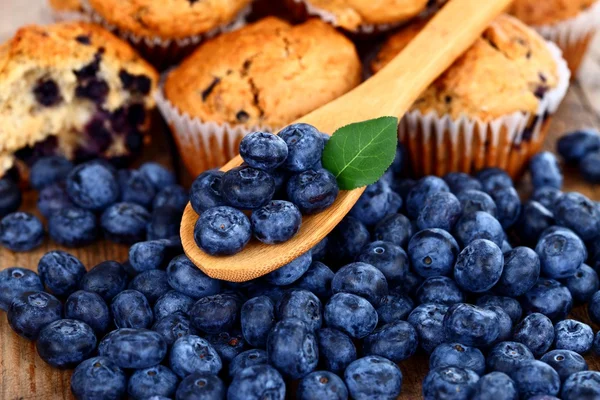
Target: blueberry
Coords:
[[373, 377], [578, 213], [322, 385], [317, 279], [495, 385], [394, 307], [521, 271], [247, 188], [247, 359], [457, 355], [336, 349], [216, 313], [108, 279], [479, 225], [545, 171], [125, 223], [290, 272], [227, 344], [452, 383], [432, 252], [222, 231], [536, 332], [65, 343], [347, 239], [574, 146], [172, 302], [98, 378], [471, 325], [205, 192], [303, 305], [73, 227], [550, 298], [573, 335], [21, 231], [263, 150], [191, 354], [158, 175], [201, 386], [164, 224], [29, 312], [173, 196], [428, 320], [137, 188], [154, 381], [583, 284], [459, 181], [423, 189], [172, 327], [582, 385], [131, 309], [90, 308], [153, 284], [596, 344], [394, 228], [319, 252], [15, 281], [492, 179], [509, 206], [506, 247], [256, 383], [276, 222], [49, 170], [476, 200], [292, 348], [10, 197], [506, 356], [312, 191], [410, 284], [186, 278], [396, 341], [590, 167], [51, 199], [305, 146], [479, 266], [374, 204], [148, 255], [508, 304], [257, 318], [60, 272], [362, 280], [505, 325], [351, 314], [92, 186], [594, 308], [535, 377], [441, 210], [565, 362], [439, 290], [133, 348], [561, 253], [534, 219], [546, 196]]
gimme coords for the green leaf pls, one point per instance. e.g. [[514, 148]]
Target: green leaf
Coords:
[[359, 154]]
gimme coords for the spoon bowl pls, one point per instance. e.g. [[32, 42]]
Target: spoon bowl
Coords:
[[390, 92]]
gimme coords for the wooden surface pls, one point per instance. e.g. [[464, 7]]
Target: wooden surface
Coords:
[[390, 92], [24, 376]]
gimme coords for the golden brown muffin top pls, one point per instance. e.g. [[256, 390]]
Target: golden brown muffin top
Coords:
[[168, 19], [269, 73], [548, 12], [66, 5], [508, 69], [350, 14]]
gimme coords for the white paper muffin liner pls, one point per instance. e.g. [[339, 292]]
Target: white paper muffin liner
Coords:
[[165, 52], [66, 16], [203, 145], [441, 144]]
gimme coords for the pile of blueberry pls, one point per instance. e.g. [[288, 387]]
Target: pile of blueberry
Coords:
[[281, 179], [90, 200], [582, 149]]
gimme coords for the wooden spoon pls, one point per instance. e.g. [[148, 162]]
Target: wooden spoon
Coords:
[[390, 92]]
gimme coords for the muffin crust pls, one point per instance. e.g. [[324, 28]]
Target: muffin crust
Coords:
[[548, 12], [66, 5]]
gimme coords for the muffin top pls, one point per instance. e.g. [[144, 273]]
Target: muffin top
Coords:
[[548, 12], [268, 73], [66, 5], [508, 69], [168, 19], [350, 14]]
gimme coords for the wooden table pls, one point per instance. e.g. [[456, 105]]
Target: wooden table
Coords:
[[23, 375]]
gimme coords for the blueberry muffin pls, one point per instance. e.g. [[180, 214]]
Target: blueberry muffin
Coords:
[[362, 15], [72, 89], [264, 75], [66, 5], [569, 23], [490, 108]]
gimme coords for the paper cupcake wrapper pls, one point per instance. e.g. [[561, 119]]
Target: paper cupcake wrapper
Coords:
[[442, 144], [65, 16], [571, 31], [165, 52], [203, 145]]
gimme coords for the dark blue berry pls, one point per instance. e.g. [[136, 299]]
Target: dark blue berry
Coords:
[[374, 204], [10, 197], [136, 188], [508, 304], [536, 332], [125, 223], [247, 188], [247, 359], [201, 386], [459, 181], [428, 320], [98, 378], [60, 272], [423, 189], [495, 385], [305, 146], [29, 312], [292, 348], [290, 272], [362, 280], [550, 298], [582, 385], [21, 231], [173, 196], [90, 308], [457, 355], [303, 305], [312, 191], [535, 377], [257, 318], [590, 167], [505, 324], [476, 200], [205, 192], [471, 325], [583, 284], [93, 186], [263, 150], [319, 252], [534, 219], [410, 284], [154, 381], [351, 314], [172, 302], [133, 348], [396, 341], [479, 266], [322, 385], [336, 349], [317, 279], [53, 198], [546, 196], [439, 290], [256, 383], [521, 271], [509, 206], [387, 257], [49, 170], [452, 383], [574, 146], [191, 354], [276, 222], [214, 314], [172, 327], [565, 362], [65, 343], [395, 228], [594, 308], [578, 213], [131, 309], [164, 224], [506, 356], [561, 253], [151, 255], [108, 279], [373, 377], [432, 252], [347, 240], [573, 335], [15, 281], [186, 278], [227, 344], [394, 307], [158, 175], [153, 284], [479, 225], [441, 210], [545, 171], [73, 227], [222, 231], [493, 179]]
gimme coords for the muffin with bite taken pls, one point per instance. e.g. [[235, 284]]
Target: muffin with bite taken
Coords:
[[491, 108]]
